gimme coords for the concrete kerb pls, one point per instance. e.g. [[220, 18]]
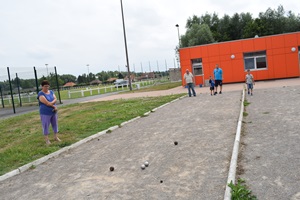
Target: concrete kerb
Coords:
[[65, 149], [235, 152]]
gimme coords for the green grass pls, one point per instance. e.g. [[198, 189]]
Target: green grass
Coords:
[[21, 138], [240, 191], [159, 86]]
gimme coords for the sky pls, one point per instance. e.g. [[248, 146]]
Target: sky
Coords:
[[83, 36]]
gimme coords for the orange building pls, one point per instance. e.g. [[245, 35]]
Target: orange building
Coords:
[[269, 57]]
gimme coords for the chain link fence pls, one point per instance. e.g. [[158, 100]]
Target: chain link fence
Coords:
[[19, 86]]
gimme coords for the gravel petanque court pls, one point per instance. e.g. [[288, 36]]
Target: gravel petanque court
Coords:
[[196, 168]]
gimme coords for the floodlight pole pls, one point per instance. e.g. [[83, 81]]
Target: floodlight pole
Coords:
[[47, 70], [178, 35], [179, 43], [127, 60]]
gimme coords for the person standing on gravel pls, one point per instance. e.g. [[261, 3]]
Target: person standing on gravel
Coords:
[[211, 85], [249, 82], [218, 74], [189, 82]]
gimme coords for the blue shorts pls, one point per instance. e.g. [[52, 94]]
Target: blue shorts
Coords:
[[250, 86]]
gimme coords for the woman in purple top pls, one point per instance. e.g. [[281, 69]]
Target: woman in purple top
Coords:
[[48, 111]]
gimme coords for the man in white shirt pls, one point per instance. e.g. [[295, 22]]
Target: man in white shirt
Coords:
[[189, 82]]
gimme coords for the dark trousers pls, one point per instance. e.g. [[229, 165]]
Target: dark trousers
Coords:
[[191, 87]]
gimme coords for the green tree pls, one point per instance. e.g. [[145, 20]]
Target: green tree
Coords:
[[239, 26], [91, 77], [197, 35], [52, 80], [191, 21], [235, 27], [245, 20], [68, 78], [120, 76], [292, 22], [215, 22], [224, 28]]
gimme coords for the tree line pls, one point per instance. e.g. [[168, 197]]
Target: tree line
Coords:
[[209, 28]]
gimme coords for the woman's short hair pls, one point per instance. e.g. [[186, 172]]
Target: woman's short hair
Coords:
[[45, 82]]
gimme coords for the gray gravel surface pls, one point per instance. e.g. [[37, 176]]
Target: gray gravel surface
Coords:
[[271, 150], [196, 168]]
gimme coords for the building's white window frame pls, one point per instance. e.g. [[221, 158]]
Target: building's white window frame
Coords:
[[197, 67], [254, 58]]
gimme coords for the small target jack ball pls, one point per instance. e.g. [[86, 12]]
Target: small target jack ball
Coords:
[[143, 166], [176, 143], [146, 163], [161, 181], [111, 169]]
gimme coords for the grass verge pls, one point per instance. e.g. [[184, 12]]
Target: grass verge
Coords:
[[160, 86]]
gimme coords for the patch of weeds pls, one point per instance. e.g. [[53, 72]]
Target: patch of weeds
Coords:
[[240, 191], [120, 126], [144, 115], [245, 114], [266, 112], [246, 103], [108, 131], [32, 167]]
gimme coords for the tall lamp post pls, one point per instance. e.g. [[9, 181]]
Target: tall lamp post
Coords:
[[178, 35], [47, 69], [88, 75], [178, 45], [127, 60]]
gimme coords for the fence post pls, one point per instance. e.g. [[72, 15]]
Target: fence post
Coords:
[[91, 92], [98, 90], [82, 93], [58, 91], [18, 85], [1, 96], [69, 94], [11, 92]]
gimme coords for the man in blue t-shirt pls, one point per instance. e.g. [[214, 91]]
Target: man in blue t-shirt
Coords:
[[218, 74]]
